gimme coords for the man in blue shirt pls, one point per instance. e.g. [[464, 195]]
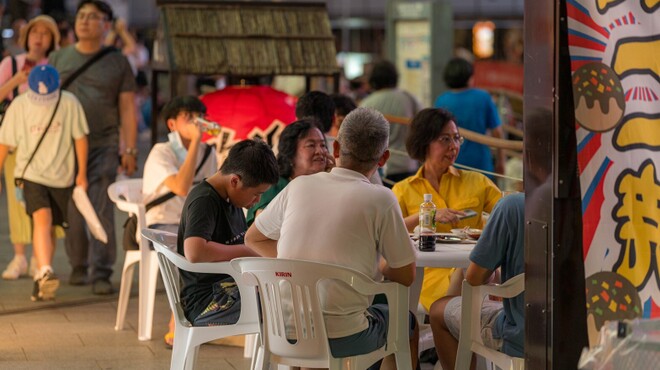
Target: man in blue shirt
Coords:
[[474, 110], [502, 323]]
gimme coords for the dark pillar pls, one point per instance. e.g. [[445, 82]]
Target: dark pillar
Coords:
[[555, 313]]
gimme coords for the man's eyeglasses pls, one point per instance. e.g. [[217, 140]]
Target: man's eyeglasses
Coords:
[[90, 17], [445, 140]]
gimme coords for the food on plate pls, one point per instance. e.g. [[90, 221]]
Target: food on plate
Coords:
[[467, 233], [473, 233]]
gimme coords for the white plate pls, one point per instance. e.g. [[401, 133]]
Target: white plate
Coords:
[[414, 236], [448, 239]]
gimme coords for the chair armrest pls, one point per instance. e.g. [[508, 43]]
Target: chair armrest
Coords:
[[509, 289]]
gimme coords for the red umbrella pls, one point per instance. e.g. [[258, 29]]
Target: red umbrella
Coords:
[[248, 112]]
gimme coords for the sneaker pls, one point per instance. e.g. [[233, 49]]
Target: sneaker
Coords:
[[34, 267], [16, 268], [102, 287], [45, 287], [78, 276]]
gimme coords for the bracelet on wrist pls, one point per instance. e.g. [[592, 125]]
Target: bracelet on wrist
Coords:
[[131, 151]]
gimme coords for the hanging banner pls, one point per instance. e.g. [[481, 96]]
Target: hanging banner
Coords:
[[615, 62]]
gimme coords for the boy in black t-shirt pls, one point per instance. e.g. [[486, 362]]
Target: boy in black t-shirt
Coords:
[[212, 228]]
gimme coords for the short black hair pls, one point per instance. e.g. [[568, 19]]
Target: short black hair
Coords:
[[383, 75], [287, 146], [253, 161], [457, 73], [101, 6], [319, 105], [180, 104], [425, 127], [343, 104]]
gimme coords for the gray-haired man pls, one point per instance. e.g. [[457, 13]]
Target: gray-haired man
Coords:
[[360, 222]]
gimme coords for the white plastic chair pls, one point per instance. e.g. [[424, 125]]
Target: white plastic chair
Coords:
[[290, 299], [470, 338], [127, 195], [188, 338]]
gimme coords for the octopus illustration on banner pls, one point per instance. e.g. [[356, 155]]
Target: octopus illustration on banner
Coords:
[[615, 63]]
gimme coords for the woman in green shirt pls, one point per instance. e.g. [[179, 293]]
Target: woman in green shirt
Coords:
[[301, 150]]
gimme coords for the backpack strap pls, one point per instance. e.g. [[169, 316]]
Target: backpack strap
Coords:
[[14, 69], [87, 64], [167, 196]]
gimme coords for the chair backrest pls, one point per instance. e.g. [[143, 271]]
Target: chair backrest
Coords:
[[170, 262], [127, 195], [294, 331], [470, 338]]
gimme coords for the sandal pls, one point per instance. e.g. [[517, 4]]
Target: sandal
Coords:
[[169, 340]]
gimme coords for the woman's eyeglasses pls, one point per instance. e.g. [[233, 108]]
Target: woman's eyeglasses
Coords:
[[445, 140]]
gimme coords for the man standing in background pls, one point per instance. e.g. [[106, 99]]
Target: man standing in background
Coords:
[[106, 90], [390, 100]]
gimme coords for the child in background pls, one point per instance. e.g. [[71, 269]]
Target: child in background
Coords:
[[45, 126], [38, 38]]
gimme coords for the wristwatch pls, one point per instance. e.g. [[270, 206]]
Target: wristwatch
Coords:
[[131, 151]]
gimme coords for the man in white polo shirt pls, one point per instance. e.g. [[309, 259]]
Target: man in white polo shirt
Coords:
[[360, 223]]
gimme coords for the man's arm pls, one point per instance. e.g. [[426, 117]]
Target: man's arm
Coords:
[[128, 129], [403, 275], [260, 243], [197, 249], [181, 182], [477, 275], [81, 147]]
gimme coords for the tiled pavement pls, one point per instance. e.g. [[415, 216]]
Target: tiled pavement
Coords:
[[76, 331]]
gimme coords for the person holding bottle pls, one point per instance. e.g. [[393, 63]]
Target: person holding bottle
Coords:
[[171, 167], [39, 37], [435, 141]]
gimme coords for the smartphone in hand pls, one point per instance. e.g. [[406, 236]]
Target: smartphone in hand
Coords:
[[468, 213]]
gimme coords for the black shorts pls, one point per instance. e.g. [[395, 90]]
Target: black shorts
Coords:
[[39, 196]]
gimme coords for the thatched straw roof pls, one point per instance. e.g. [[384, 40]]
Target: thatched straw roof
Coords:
[[247, 38]]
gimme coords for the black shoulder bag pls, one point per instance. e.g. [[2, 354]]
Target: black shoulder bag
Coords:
[[4, 105], [103, 52], [129, 240], [18, 181]]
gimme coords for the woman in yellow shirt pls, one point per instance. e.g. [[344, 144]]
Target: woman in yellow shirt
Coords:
[[435, 141]]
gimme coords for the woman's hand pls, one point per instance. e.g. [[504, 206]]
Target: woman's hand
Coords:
[[448, 216], [21, 77]]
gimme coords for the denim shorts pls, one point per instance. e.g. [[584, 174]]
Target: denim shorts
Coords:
[[370, 339]]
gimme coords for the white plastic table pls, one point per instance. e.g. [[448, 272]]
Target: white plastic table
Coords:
[[445, 256]]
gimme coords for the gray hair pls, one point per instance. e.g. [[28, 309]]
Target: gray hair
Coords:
[[363, 138]]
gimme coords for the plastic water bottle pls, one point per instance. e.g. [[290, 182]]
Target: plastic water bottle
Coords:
[[427, 224]]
